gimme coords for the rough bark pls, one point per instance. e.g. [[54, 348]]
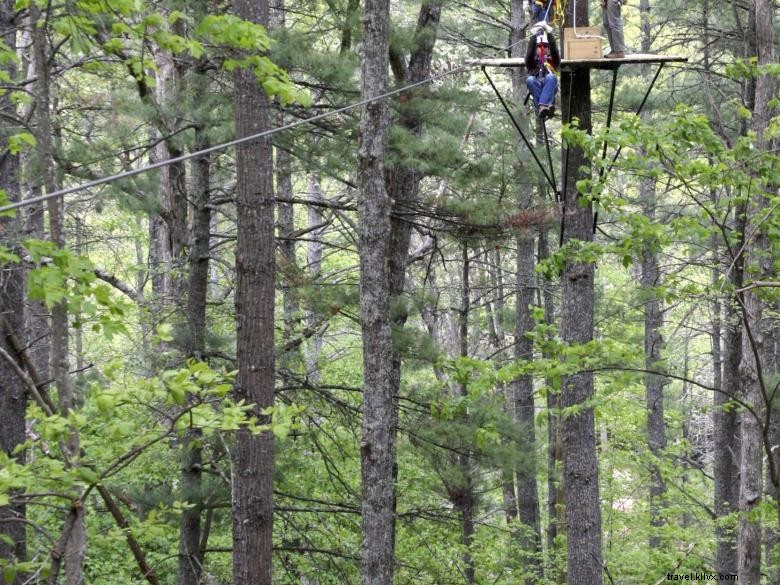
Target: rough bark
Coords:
[[523, 387], [527, 491], [75, 548], [653, 321], [314, 265], [754, 388], [654, 384], [285, 222], [556, 524], [36, 319], [726, 435], [190, 535], [255, 275], [726, 348], [173, 185], [377, 446], [383, 245], [13, 396], [580, 461], [465, 499]]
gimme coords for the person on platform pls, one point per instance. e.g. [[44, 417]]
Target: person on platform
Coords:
[[613, 23], [542, 60]]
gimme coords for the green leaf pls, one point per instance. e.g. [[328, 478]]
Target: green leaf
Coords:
[[88, 475]]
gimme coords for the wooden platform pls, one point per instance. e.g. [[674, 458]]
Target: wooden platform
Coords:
[[568, 64]]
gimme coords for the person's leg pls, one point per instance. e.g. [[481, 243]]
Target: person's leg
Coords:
[[535, 87], [549, 89], [607, 27], [536, 12], [615, 27]]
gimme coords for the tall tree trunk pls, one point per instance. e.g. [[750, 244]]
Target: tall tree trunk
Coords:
[[191, 552], [726, 348], [496, 328], [653, 317], [314, 265], [288, 271], [13, 395], [524, 414], [753, 424], [36, 319], [556, 522], [465, 497], [255, 275], [580, 460], [654, 384], [383, 245], [527, 491], [75, 548], [377, 446]]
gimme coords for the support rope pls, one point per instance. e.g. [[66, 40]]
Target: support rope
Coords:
[[243, 140], [519, 129]]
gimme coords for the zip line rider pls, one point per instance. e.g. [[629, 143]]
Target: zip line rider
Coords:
[[542, 60]]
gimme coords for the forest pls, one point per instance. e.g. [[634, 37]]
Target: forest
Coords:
[[289, 294]]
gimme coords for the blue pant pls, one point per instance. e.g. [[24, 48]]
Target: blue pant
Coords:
[[537, 12], [542, 90]]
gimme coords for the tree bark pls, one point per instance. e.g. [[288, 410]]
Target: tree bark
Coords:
[[377, 446], [523, 387], [383, 246], [580, 461], [654, 384], [314, 266], [75, 548], [255, 276], [190, 535], [13, 395], [525, 416], [755, 391], [556, 522], [462, 493]]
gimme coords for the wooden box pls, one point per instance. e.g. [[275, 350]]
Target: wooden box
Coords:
[[586, 44]]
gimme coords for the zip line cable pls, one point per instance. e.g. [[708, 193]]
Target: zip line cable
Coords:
[[237, 141]]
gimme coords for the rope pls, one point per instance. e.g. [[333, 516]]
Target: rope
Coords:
[[549, 156], [237, 141], [574, 25], [519, 129]]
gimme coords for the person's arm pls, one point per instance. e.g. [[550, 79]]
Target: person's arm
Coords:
[[530, 55], [555, 56]]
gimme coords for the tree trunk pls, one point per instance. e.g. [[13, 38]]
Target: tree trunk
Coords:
[[525, 416], [13, 396], [524, 413], [314, 265], [580, 461], [556, 523], [654, 384], [255, 281], [755, 391], [190, 536], [726, 349], [653, 317], [75, 548], [377, 446], [465, 497], [727, 443], [383, 246]]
